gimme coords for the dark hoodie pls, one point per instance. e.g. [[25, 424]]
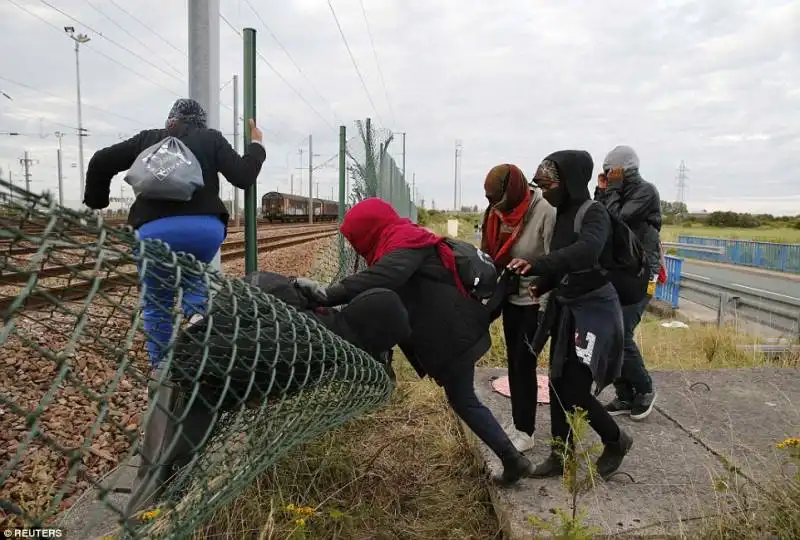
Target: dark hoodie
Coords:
[[574, 258]]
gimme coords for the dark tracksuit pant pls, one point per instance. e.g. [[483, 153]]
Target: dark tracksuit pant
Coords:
[[519, 326], [574, 389], [459, 386], [635, 378]]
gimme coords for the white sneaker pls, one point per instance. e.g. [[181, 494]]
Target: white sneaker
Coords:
[[521, 440]]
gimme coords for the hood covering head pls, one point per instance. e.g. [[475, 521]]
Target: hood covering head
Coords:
[[375, 229], [187, 112], [572, 169], [508, 186], [623, 157]]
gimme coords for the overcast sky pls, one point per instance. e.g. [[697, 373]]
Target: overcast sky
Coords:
[[714, 83]]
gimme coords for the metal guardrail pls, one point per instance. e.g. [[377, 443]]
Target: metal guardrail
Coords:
[[717, 250], [767, 255], [777, 311], [669, 292]]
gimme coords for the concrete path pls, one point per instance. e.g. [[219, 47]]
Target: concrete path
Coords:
[[91, 518], [702, 421]]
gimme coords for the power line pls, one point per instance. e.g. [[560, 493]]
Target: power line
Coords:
[[142, 43], [270, 66], [377, 62], [61, 31], [159, 36], [355, 64], [291, 58], [23, 85], [123, 47]]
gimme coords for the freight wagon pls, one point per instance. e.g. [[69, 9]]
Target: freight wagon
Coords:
[[282, 207]]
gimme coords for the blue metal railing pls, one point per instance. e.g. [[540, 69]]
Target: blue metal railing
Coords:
[[669, 292], [768, 255]]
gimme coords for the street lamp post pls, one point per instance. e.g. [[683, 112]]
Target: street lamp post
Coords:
[[78, 39]]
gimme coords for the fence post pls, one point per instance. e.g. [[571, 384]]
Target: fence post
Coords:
[[250, 193], [342, 191], [721, 310]]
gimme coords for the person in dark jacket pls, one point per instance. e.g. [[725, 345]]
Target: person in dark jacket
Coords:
[[583, 316], [449, 328], [626, 194], [374, 321], [197, 227], [518, 224]]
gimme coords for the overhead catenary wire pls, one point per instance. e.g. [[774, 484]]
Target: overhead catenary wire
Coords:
[[146, 27], [377, 62], [292, 60], [51, 94], [115, 61], [280, 76], [131, 34], [123, 47], [355, 64]]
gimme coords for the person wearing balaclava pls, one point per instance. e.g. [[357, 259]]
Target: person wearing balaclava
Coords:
[[583, 317], [517, 224], [197, 226], [627, 195]]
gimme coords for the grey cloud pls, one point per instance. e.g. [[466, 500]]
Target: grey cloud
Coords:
[[713, 83]]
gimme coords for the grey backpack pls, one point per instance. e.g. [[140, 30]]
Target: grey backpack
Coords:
[[166, 171]]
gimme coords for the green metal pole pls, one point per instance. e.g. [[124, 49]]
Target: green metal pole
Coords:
[[342, 170], [250, 193], [342, 190]]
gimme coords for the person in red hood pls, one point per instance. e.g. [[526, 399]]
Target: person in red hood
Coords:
[[449, 328]]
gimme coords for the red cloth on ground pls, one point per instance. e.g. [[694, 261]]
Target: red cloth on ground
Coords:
[[375, 229]]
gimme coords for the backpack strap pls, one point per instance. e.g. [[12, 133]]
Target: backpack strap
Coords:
[[578, 223]]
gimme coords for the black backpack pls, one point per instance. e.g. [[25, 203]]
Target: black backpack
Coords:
[[628, 272], [475, 268]]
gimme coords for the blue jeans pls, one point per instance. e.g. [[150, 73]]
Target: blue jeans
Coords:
[[200, 236], [635, 378]]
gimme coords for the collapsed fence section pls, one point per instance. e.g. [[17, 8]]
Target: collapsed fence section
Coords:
[[243, 377]]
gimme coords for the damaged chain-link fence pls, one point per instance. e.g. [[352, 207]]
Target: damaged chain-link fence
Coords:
[[242, 381], [373, 172]]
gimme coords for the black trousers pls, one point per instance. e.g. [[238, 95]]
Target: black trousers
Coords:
[[574, 389], [519, 326]]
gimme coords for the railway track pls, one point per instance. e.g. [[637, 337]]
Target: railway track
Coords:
[[9, 251], [91, 278]]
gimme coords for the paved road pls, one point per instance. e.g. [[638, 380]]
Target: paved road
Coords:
[[756, 282]]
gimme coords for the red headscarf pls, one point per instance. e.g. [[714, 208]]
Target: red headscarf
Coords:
[[374, 229], [503, 221]]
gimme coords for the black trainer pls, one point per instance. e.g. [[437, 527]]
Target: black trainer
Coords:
[[643, 405], [613, 454], [515, 467], [619, 407], [552, 466]]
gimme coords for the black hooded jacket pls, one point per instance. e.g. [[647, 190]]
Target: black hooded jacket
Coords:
[[212, 150], [638, 204], [574, 258]]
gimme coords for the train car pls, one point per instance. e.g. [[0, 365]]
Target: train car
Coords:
[[286, 208]]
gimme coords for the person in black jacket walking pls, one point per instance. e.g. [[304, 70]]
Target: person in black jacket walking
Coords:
[[197, 226], [583, 316], [626, 194], [449, 328]]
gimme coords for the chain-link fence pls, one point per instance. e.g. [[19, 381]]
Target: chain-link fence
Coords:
[[373, 172], [240, 382]]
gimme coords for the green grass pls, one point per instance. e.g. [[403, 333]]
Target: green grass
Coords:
[[781, 235], [407, 471]]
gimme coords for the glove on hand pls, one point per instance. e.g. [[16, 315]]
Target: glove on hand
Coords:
[[313, 290]]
